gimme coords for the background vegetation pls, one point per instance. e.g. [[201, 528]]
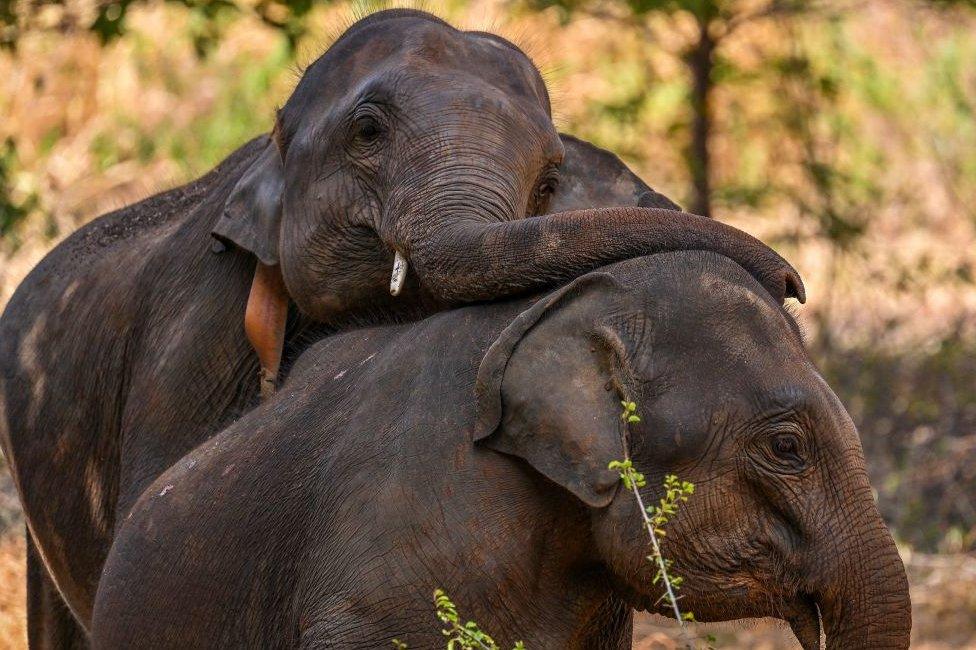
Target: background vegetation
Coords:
[[841, 132]]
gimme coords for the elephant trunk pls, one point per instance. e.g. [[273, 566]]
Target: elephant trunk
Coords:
[[866, 603], [461, 259], [463, 229]]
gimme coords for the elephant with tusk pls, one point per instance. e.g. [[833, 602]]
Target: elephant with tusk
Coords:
[[409, 145], [411, 141], [470, 452]]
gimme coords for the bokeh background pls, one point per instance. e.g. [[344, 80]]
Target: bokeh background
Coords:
[[841, 132]]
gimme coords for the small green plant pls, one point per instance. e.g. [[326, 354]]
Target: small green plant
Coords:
[[460, 636], [629, 414], [467, 636], [656, 516]]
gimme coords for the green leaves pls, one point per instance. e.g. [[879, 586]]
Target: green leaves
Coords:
[[630, 476], [16, 204], [208, 18], [675, 491], [656, 516], [630, 412], [466, 636]]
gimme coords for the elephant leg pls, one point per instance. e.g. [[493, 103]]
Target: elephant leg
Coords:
[[50, 624]]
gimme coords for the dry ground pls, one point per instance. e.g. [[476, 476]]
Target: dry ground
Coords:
[[13, 624]]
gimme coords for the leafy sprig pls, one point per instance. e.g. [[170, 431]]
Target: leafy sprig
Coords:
[[460, 636], [656, 516]]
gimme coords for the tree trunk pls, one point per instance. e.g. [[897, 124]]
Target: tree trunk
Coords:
[[701, 61]]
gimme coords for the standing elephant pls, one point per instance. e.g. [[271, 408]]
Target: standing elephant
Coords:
[[406, 140], [469, 452]]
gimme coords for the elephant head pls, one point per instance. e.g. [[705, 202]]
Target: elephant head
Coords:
[[410, 144], [782, 522]]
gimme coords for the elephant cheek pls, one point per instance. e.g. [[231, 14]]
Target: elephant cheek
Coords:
[[622, 544], [334, 270], [332, 295], [304, 277]]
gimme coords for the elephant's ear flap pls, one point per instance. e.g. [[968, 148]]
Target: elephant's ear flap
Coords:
[[557, 415], [491, 372], [252, 213], [591, 177]]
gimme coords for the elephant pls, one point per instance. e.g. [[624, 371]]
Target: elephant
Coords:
[[469, 451], [408, 143]]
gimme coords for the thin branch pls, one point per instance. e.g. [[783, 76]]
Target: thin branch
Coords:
[[657, 556]]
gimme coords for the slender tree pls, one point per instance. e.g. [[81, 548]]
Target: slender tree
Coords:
[[714, 21]]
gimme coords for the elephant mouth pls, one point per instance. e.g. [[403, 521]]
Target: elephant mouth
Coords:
[[803, 616], [801, 612]]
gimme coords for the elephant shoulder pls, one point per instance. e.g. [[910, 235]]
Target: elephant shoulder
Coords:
[[118, 239]]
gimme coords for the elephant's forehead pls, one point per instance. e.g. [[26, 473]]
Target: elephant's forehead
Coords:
[[435, 43], [429, 49], [743, 318], [734, 293], [459, 50], [727, 336]]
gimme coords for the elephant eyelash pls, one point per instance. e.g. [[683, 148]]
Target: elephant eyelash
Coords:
[[366, 112], [545, 186]]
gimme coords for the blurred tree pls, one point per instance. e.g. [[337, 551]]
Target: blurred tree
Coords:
[[714, 21], [107, 18], [15, 204]]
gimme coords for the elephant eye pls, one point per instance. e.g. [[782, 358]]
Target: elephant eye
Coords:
[[367, 128], [780, 445], [545, 186], [367, 124], [787, 453], [786, 446]]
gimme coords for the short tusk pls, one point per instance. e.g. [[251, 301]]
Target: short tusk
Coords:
[[399, 273]]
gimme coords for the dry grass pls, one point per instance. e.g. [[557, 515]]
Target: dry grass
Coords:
[[13, 609]]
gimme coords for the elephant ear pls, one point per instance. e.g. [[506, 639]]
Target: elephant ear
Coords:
[[541, 396], [591, 177], [252, 213]]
